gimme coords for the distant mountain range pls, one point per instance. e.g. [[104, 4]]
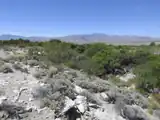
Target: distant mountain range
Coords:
[[89, 38], [10, 36]]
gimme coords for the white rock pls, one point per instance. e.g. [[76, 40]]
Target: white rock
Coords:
[[2, 98], [132, 87], [78, 89], [81, 103], [127, 77], [104, 96], [58, 119], [31, 99], [42, 84], [68, 104], [15, 91]]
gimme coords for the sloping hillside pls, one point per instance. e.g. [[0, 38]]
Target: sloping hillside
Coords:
[[33, 90]]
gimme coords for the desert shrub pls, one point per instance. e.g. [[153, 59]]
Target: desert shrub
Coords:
[[90, 97], [102, 83], [12, 111], [20, 68], [9, 58], [152, 44], [36, 53], [65, 83], [2, 92], [6, 69], [32, 62], [49, 103], [92, 86], [1, 62], [40, 74], [20, 58], [59, 84], [44, 64], [92, 58], [94, 48], [13, 58], [59, 52], [52, 70], [148, 76], [117, 81], [156, 96], [153, 103], [85, 64], [55, 96], [41, 92]]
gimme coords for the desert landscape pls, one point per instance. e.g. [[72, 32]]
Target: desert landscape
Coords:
[[33, 89]]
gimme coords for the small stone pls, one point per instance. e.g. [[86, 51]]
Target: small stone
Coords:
[[104, 96]]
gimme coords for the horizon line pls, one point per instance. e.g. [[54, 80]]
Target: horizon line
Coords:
[[47, 36]]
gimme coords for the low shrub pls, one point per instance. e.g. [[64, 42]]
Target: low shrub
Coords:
[[6, 69], [20, 68], [40, 74], [32, 63], [90, 97], [94, 86], [52, 70]]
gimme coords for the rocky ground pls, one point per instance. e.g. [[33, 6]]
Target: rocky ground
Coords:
[[29, 91]]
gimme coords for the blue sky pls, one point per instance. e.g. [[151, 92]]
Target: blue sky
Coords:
[[65, 17]]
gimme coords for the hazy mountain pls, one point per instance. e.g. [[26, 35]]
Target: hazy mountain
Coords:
[[107, 38], [88, 38], [9, 36]]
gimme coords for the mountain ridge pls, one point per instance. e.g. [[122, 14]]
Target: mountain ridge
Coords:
[[87, 38]]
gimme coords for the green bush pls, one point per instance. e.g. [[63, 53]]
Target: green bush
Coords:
[[148, 76], [152, 44]]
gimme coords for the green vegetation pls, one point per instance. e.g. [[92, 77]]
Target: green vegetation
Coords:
[[99, 59], [152, 44]]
